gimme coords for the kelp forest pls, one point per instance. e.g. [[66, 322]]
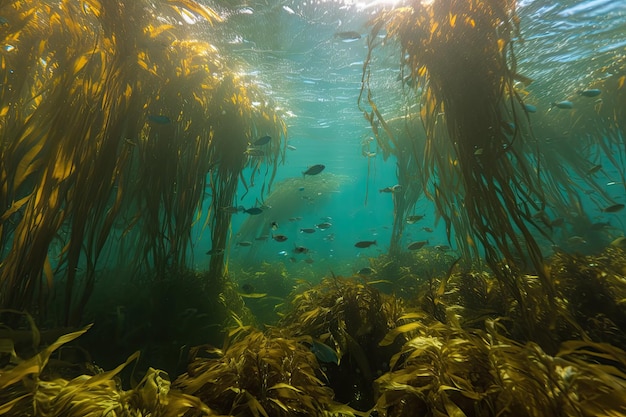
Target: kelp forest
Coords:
[[124, 128]]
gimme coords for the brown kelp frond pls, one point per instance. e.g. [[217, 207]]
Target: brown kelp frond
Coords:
[[479, 169], [239, 121], [259, 375], [45, 394], [110, 132], [346, 320], [444, 370], [447, 374], [594, 288], [584, 378]]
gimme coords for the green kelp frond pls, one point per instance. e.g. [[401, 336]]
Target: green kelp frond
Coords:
[[259, 375]]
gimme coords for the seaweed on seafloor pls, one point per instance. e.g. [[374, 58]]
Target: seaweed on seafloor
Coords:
[[583, 379], [259, 374], [27, 388], [594, 288], [350, 317], [445, 370]]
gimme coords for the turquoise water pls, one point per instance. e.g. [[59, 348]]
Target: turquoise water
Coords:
[[291, 49]]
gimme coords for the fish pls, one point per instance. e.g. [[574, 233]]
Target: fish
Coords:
[[620, 242], [307, 230], [364, 244], [247, 288], [591, 92], [324, 225], [365, 271], [324, 353], [300, 249], [530, 108], [262, 238], [216, 251], [614, 208], [244, 243], [263, 140], [594, 169], [565, 104], [415, 218], [392, 189], [291, 147], [442, 248], [159, 119], [417, 245], [427, 229], [274, 225], [279, 238], [295, 219], [313, 170], [309, 260], [479, 151], [253, 211], [348, 36]]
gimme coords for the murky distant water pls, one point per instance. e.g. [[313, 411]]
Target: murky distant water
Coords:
[[291, 49]]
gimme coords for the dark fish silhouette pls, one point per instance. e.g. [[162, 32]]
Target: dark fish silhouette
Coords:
[[313, 170], [264, 140], [364, 244], [613, 209], [417, 245]]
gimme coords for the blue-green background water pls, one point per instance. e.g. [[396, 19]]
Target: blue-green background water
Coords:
[[290, 48]]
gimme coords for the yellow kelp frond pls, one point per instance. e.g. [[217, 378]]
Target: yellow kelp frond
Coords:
[[259, 375], [346, 320], [113, 118], [479, 167], [100, 393]]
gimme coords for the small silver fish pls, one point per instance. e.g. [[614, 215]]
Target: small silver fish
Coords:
[[414, 219]]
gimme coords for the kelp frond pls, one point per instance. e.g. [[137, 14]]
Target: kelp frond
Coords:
[[113, 115]]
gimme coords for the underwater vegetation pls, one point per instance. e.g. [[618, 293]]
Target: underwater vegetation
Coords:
[[492, 177], [118, 119], [108, 135], [345, 348]]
